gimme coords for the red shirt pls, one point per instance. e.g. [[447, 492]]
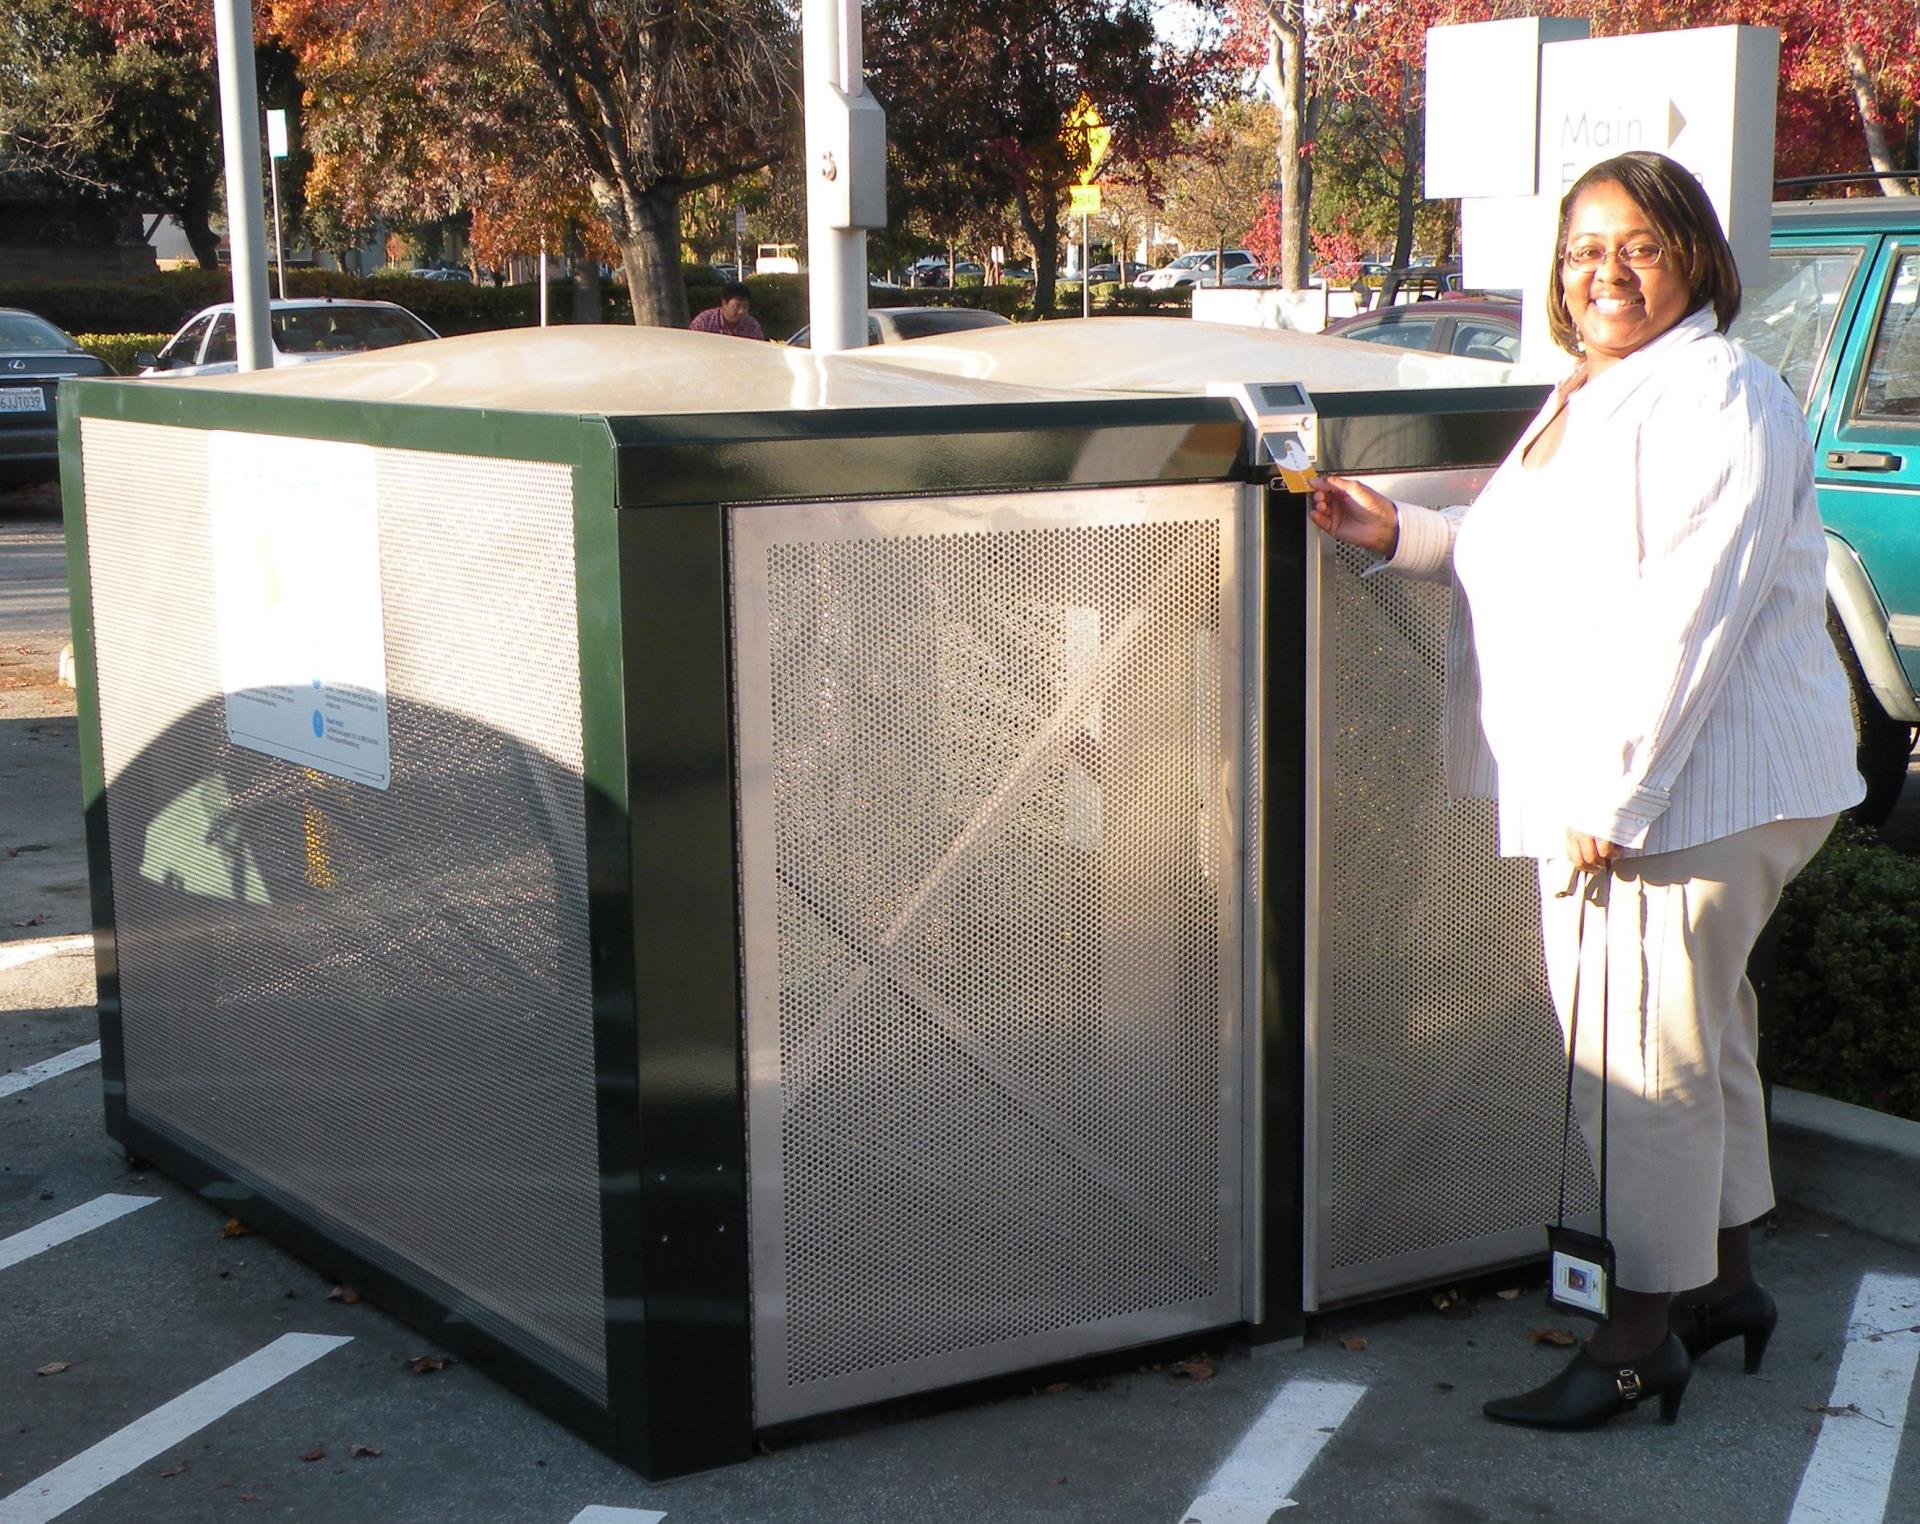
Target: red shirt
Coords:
[[714, 321]]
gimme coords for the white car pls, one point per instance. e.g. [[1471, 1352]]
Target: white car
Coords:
[[304, 329], [1195, 269]]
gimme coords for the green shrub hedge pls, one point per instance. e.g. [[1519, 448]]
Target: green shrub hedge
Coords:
[[118, 349], [1846, 982]]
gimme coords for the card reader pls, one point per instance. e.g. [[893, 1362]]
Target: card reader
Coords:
[[1286, 429]]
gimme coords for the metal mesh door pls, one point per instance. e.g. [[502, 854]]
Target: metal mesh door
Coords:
[[990, 766], [374, 1006], [1435, 1066]]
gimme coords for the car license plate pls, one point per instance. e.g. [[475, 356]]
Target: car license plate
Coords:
[[23, 399]]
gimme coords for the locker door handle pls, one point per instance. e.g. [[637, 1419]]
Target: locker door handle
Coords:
[[1862, 460]]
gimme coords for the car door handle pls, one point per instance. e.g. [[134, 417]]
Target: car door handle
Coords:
[[1862, 460]]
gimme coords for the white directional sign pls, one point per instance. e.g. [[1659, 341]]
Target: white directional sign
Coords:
[[1705, 98]]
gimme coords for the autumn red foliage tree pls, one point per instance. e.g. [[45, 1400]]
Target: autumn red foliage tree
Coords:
[[977, 97], [538, 115], [1849, 81]]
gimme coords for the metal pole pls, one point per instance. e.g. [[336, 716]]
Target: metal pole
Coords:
[[1086, 270], [246, 217], [279, 246], [836, 256], [543, 283]]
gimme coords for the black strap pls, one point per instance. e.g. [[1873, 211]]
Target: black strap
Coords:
[[1587, 891]]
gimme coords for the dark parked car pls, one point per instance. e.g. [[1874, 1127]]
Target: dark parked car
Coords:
[[35, 357], [895, 325], [1478, 327]]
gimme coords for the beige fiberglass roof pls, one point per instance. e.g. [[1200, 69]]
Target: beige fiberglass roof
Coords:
[[619, 370]]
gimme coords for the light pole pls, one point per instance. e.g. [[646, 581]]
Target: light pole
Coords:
[[246, 216]]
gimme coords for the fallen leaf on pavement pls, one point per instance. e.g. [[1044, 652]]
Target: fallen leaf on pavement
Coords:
[[175, 1471], [1559, 1336], [343, 1294], [426, 1365], [1356, 1344], [1056, 1386], [363, 1452], [1510, 1294], [1199, 1368], [1443, 1386], [54, 1367], [317, 1453], [235, 1228]]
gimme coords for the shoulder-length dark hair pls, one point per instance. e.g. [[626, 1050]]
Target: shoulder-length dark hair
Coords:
[[1684, 221]]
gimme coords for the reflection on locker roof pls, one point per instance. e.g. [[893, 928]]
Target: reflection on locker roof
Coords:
[[637, 371]]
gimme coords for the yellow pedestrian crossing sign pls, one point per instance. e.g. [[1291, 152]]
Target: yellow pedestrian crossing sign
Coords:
[[1087, 139]]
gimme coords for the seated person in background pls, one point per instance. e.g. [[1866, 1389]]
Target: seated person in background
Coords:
[[731, 317]]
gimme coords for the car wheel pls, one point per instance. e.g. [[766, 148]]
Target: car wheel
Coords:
[[1885, 745]]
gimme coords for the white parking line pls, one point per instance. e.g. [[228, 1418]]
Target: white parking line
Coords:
[[145, 1438], [55, 1231], [600, 1513], [14, 954], [1851, 1472], [60, 1063], [1273, 1455]]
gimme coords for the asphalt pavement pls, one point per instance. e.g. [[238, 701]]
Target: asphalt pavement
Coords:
[[155, 1369]]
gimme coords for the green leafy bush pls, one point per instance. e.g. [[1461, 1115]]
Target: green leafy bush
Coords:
[[118, 349], [1846, 983]]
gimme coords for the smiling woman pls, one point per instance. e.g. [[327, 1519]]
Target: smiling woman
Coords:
[[1639, 673]]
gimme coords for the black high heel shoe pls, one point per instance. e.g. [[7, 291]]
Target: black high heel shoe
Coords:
[[1748, 1313], [1589, 1391]]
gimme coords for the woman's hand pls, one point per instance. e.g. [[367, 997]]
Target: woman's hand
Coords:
[[1590, 853], [1354, 514]]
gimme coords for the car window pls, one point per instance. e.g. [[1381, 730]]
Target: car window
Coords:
[[184, 347], [1417, 335], [1892, 390], [1484, 341], [343, 330], [220, 345], [918, 325], [1788, 321], [22, 333]]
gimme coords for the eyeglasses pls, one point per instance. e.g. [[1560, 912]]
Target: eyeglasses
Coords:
[[1635, 256]]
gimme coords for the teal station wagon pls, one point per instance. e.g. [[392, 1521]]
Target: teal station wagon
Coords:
[[1840, 319]]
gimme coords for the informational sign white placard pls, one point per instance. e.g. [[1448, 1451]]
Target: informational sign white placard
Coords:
[[296, 544], [277, 134]]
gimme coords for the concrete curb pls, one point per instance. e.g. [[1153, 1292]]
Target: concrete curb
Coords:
[[1860, 1166]]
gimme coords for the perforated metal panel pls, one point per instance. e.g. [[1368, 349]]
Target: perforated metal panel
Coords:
[[991, 775], [374, 1006], [1435, 1066]]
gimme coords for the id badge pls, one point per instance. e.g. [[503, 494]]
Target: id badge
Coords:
[[1580, 1277]]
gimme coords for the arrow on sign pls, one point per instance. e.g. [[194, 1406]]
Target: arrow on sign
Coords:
[[1676, 123], [1087, 139]]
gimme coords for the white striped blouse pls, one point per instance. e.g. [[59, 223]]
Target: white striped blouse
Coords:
[[1638, 649]]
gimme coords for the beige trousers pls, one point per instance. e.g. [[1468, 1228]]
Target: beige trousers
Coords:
[[1686, 1132]]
